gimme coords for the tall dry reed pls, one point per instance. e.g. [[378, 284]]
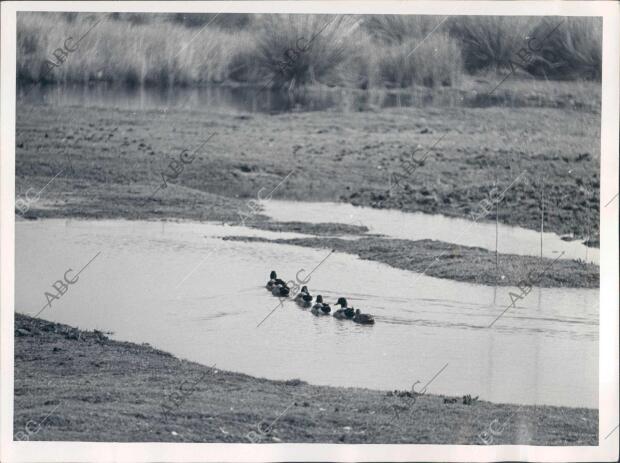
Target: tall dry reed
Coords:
[[353, 51]]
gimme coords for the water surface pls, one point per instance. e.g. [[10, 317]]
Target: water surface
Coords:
[[418, 226], [242, 99], [181, 288]]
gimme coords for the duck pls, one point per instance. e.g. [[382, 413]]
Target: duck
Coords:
[[280, 289], [344, 312], [272, 280], [277, 286], [304, 299], [320, 308], [363, 318]]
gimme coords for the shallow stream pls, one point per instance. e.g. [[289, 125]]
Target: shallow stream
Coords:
[[181, 288]]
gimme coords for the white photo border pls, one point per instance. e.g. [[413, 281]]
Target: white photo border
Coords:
[[607, 450]]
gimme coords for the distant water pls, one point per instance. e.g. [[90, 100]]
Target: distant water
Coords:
[[419, 226], [245, 99], [181, 288]]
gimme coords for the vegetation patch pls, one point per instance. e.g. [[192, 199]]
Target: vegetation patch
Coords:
[[293, 50]]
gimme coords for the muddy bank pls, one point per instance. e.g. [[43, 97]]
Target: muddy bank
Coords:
[[454, 262], [82, 386], [333, 229], [110, 162]]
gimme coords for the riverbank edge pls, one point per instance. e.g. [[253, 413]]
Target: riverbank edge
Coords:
[[90, 388]]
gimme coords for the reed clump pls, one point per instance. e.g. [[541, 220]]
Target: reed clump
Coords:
[[560, 48], [433, 62], [490, 42], [297, 50], [573, 51], [397, 29]]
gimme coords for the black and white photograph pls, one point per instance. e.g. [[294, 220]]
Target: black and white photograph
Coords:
[[310, 223]]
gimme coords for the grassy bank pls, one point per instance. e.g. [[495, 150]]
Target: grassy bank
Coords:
[[81, 386], [350, 50]]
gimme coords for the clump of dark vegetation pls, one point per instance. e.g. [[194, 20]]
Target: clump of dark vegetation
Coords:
[[466, 400]]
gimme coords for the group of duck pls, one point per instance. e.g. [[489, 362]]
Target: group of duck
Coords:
[[304, 299]]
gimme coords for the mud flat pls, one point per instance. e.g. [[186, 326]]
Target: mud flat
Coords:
[[111, 162]]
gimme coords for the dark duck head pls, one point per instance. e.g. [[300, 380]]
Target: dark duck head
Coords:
[[272, 280], [342, 302]]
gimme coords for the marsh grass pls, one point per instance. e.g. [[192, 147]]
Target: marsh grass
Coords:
[[435, 61], [297, 50], [573, 52], [397, 29], [560, 48], [127, 52], [265, 49], [490, 42]]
